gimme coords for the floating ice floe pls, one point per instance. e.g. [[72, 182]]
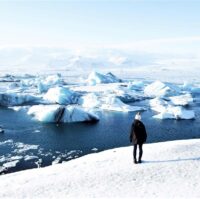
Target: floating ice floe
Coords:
[[30, 157], [182, 100], [14, 99], [158, 104], [99, 91], [89, 101], [106, 102], [190, 87], [10, 164], [98, 78], [57, 113], [169, 111], [136, 85], [45, 83], [21, 147], [176, 113], [61, 96], [115, 104], [159, 89]]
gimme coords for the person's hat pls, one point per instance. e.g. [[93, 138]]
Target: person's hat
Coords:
[[138, 116]]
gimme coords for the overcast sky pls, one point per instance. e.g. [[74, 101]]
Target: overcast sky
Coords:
[[97, 22]]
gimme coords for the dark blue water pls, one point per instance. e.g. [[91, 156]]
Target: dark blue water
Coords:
[[68, 141]]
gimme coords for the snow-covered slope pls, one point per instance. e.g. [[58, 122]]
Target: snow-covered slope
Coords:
[[169, 170]]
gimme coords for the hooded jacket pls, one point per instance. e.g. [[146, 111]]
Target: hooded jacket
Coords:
[[138, 133]]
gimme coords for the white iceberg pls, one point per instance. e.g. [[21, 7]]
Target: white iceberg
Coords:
[[45, 83], [113, 103], [14, 99], [176, 112], [89, 101], [61, 96], [190, 87], [182, 100], [135, 85], [116, 89], [158, 89], [169, 111], [57, 113], [157, 104], [98, 78]]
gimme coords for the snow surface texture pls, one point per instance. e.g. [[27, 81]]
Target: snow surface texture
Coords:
[[169, 170]]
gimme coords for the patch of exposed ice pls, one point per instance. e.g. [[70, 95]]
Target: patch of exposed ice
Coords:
[[18, 157], [56, 161], [30, 157], [36, 131], [21, 147], [6, 142], [18, 108], [94, 149], [10, 164]]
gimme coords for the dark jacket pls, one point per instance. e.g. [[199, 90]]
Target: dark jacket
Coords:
[[138, 133]]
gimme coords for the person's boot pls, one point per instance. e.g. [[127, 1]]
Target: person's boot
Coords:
[[135, 161], [139, 161]]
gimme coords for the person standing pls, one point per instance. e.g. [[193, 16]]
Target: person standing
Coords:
[[138, 137]]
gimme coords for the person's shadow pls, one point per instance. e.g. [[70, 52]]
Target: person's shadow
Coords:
[[175, 160]]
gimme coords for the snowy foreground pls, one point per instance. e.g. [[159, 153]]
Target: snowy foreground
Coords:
[[169, 170]]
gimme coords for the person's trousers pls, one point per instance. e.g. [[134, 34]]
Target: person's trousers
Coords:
[[135, 151]]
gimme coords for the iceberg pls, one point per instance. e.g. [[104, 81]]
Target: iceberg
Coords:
[[44, 84], [176, 112], [113, 103], [182, 100], [14, 99], [157, 104], [167, 110], [89, 101], [190, 87], [135, 85], [158, 89], [61, 96], [57, 113], [98, 78]]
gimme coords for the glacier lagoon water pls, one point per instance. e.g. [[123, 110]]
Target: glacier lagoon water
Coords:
[[34, 144]]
